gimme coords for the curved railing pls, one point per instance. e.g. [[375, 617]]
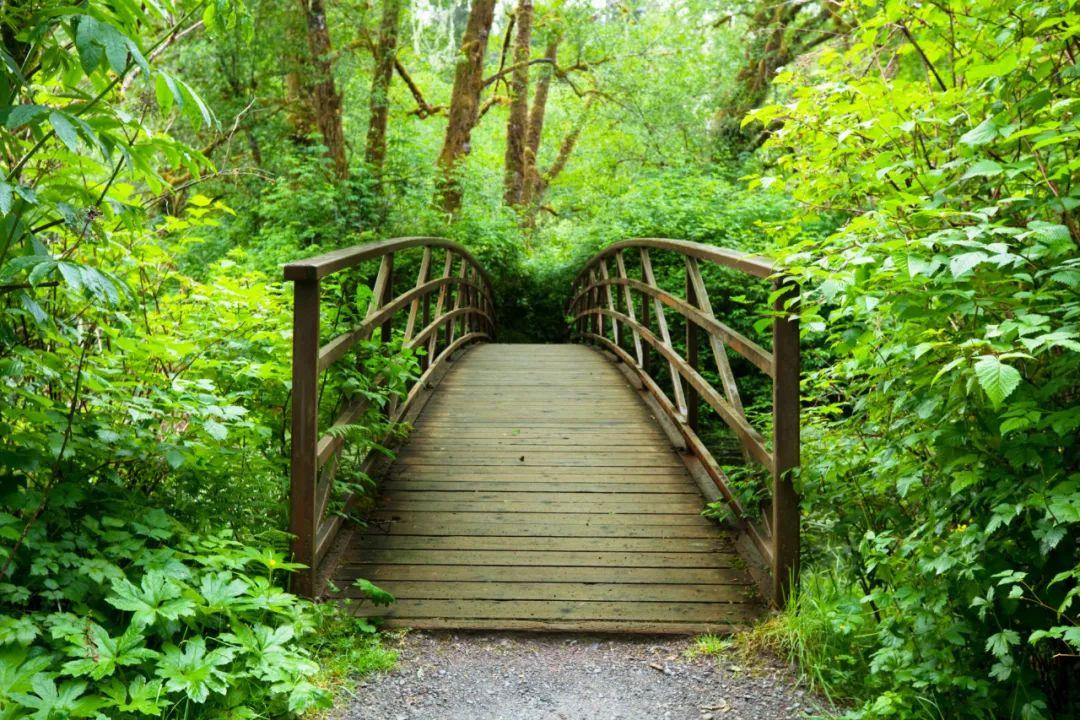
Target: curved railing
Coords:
[[604, 311], [463, 313]]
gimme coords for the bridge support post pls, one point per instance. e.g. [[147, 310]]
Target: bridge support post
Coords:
[[785, 501], [305, 433]]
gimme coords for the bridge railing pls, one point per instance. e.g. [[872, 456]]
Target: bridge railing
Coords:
[[628, 316], [450, 305]]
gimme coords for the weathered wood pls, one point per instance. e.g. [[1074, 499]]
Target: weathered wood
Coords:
[[303, 524], [547, 492], [313, 528], [322, 265], [665, 334], [629, 576], [785, 501], [577, 626], [569, 610], [738, 342], [778, 541]]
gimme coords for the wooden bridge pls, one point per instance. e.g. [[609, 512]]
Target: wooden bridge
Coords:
[[553, 487]]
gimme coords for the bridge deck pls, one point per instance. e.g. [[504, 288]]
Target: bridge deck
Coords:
[[538, 493]]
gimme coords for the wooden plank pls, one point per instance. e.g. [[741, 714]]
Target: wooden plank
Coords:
[[584, 626], [402, 497], [585, 558], [479, 527], [536, 459], [570, 507], [349, 573], [568, 610], [522, 471], [451, 484], [393, 541], [537, 474], [543, 518], [562, 592]]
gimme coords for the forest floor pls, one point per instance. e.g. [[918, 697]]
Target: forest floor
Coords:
[[507, 676]]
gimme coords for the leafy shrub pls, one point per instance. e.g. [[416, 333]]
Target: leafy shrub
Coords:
[[941, 467], [112, 610]]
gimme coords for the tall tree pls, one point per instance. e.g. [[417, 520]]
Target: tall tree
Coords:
[[385, 57], [777, 33], [536, 120], [464, 100], [518, 122], [566, 149], [325, 98]]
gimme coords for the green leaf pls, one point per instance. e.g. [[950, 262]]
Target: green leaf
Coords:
[[962, 264], [997, 379], [91, 52], [193, 670], [157, 597], [983, 168], [981, 134], [65, 130], [24, 114], [215, 429]]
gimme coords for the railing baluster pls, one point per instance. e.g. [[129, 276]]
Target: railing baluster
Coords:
[[414, 308], [433, 343], [665, 335], [693, 399], [303, 523], [628, 297], [610, 300], [459, 288]]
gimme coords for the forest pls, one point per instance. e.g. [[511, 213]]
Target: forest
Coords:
[[915, 166]]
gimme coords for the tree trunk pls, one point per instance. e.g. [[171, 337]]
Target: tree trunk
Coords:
[[517, 124], [385, 54], [566, 149], [536, 122], [464, 101], [778, 33], [325, 98]]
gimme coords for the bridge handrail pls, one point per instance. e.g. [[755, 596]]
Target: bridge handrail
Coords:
[[601, 302], [464, 313]]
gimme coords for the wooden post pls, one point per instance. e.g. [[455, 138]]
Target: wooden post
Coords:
[[693, 399], [303, 524], [785, 504]]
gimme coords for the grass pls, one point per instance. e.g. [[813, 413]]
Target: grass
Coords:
[[825, 633], [709, 645], [347, 648]]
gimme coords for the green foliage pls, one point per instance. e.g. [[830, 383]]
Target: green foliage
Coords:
[[114, 611], [144, 364], [941, 462]]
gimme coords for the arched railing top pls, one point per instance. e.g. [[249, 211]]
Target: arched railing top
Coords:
[[438, 315], [322, 265], [627, 316], [749, 264]]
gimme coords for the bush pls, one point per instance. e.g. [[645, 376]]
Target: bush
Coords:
[[113, 610], [941, 468]]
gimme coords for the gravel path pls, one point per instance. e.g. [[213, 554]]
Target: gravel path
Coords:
[[501, 676]]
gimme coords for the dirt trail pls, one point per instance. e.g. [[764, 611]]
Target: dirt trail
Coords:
[[499, 676]]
